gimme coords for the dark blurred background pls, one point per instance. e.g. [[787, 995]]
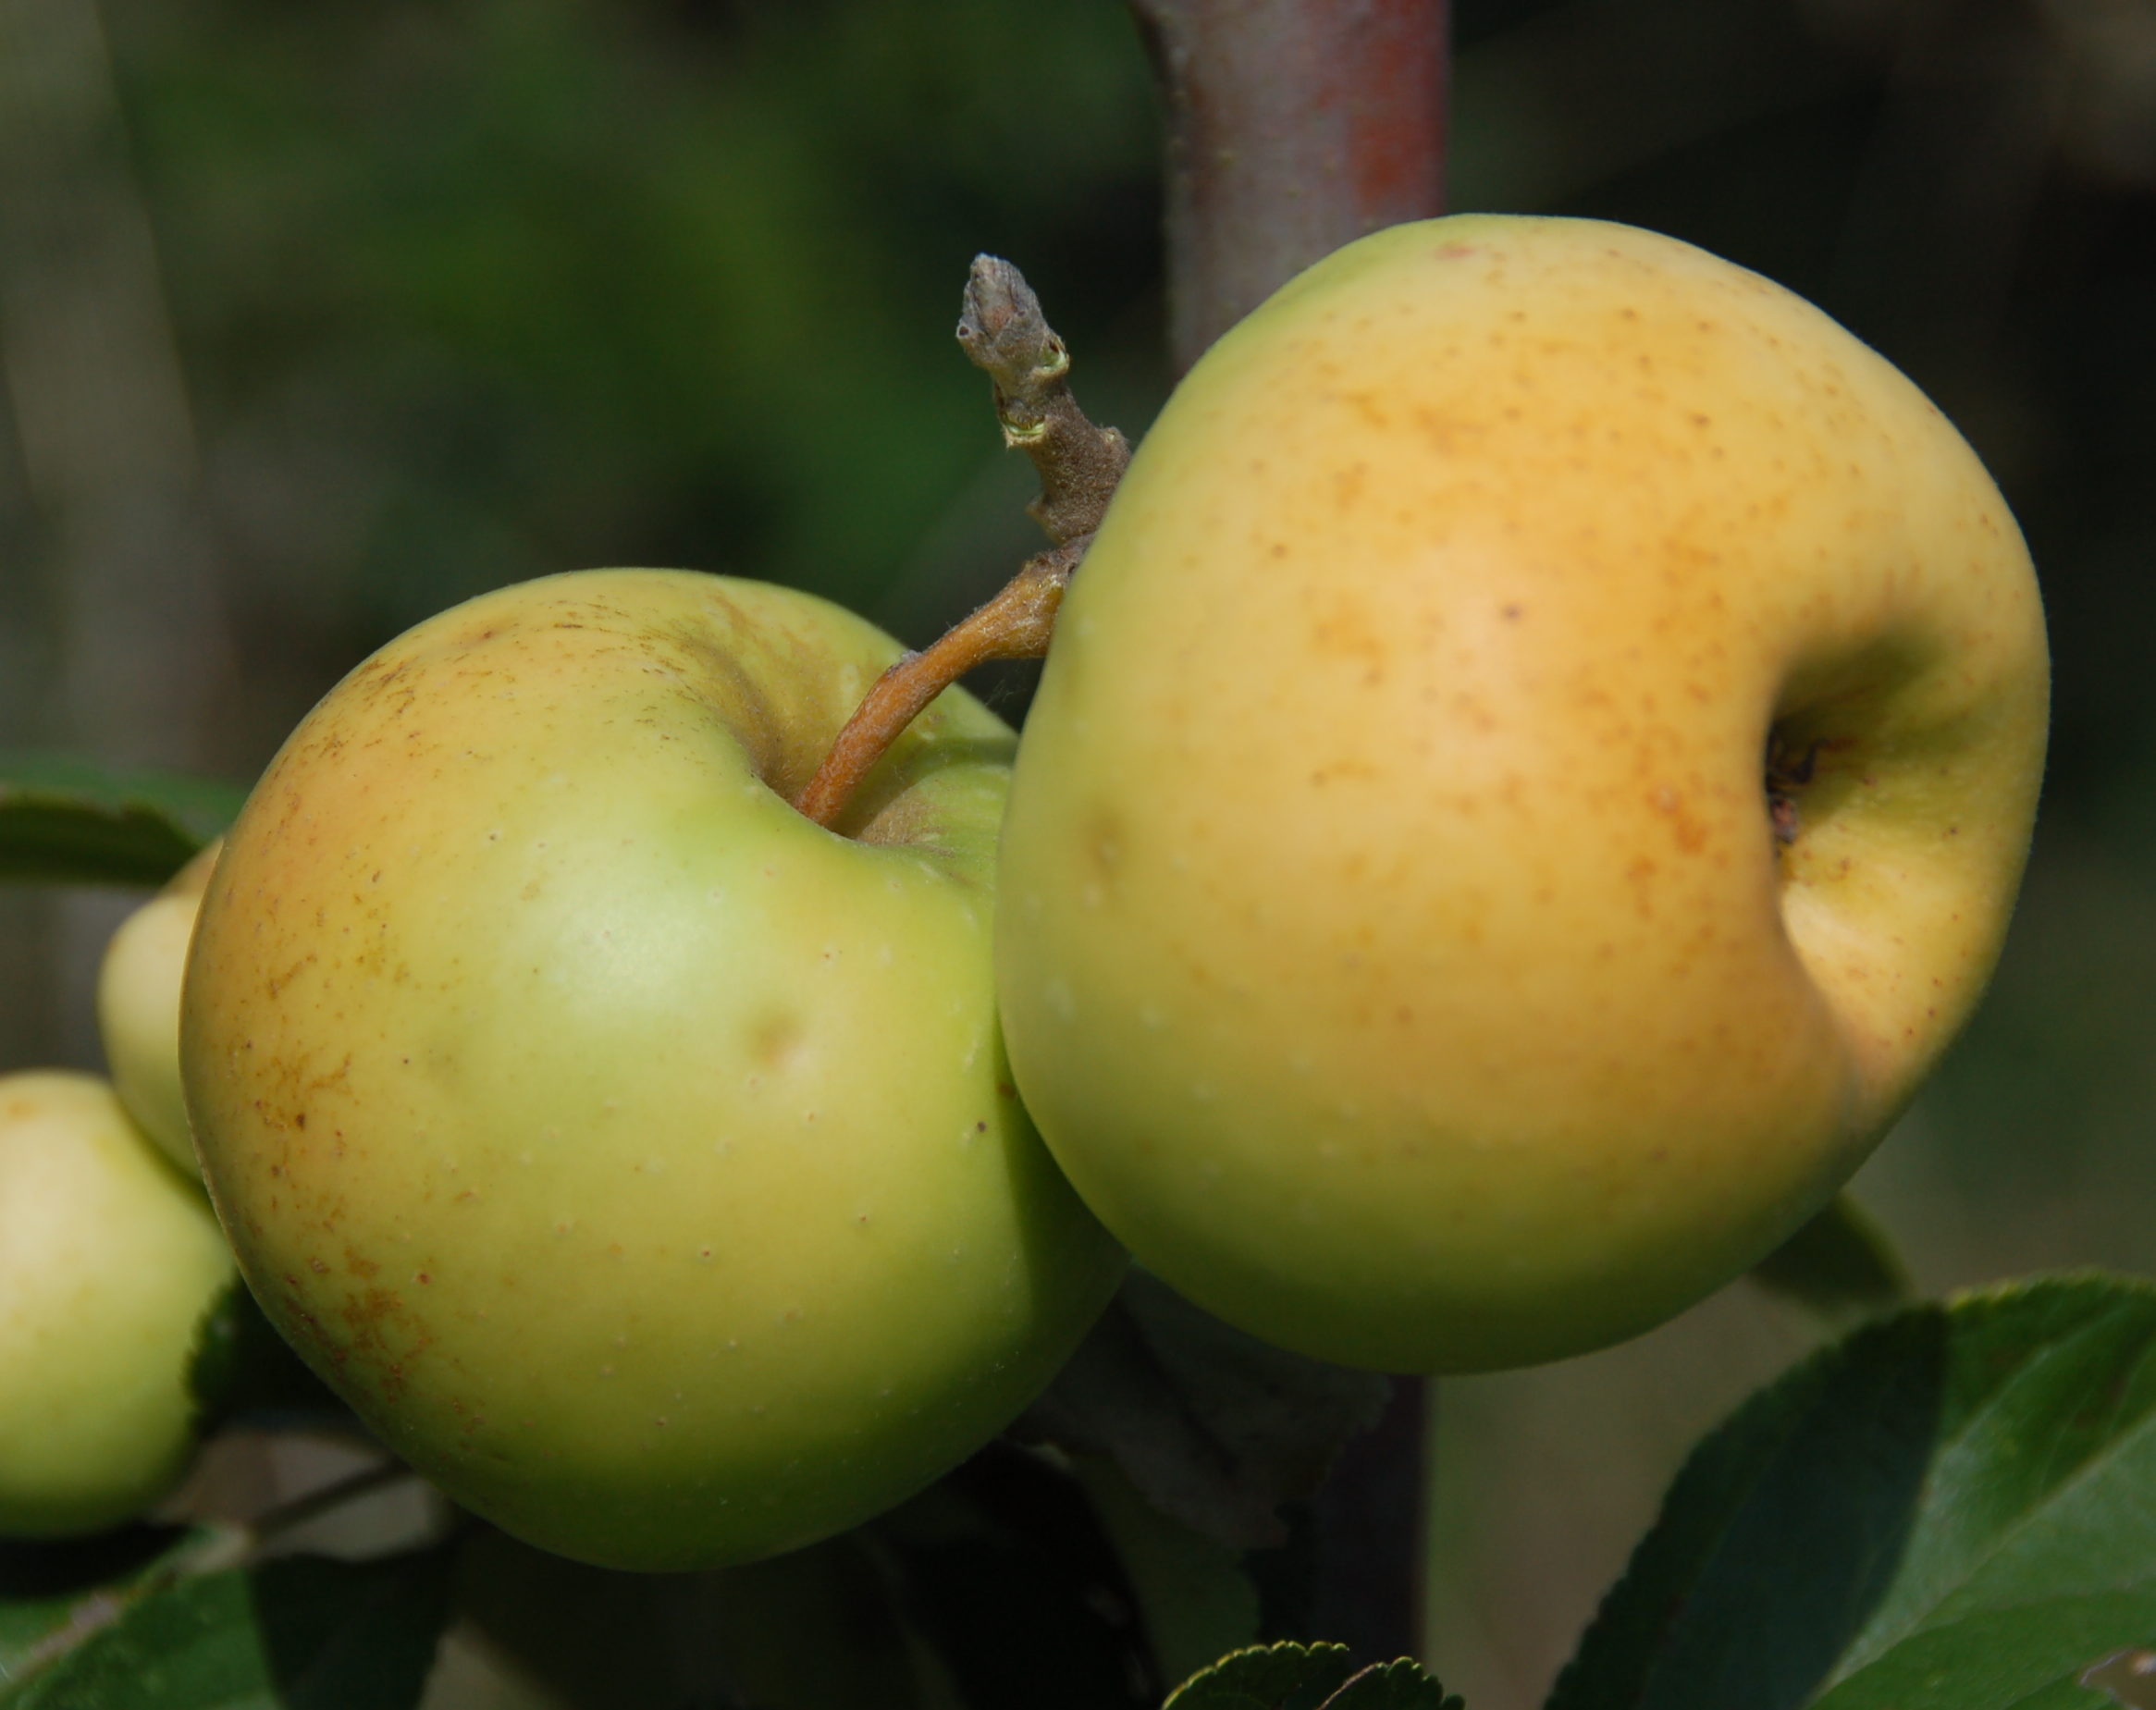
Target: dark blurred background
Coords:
[[315, 318]]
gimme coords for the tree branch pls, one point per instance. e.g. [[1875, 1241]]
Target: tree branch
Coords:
[[1294, 126]]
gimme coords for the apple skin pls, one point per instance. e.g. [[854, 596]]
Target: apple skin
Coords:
[[108, 1259], [1395, 945], [138, 1008], [637, 1157]]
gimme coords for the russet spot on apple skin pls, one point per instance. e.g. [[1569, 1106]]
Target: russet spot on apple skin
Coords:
[[1426, 667], [520, 973]]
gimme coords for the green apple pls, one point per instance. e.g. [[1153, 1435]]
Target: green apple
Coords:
[[636, 1156], [108, 1259], [1534, 769], [138, 1007]]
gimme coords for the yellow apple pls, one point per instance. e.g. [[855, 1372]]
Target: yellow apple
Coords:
[[1534, 769], [138, 1007], [636, 1156], [109, 1260]]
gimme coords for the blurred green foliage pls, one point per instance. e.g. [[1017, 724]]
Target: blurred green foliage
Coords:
[[470, 292], [471, 289]]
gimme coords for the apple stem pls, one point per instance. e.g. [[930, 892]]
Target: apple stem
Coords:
[[1005, 334], [1016, 625]]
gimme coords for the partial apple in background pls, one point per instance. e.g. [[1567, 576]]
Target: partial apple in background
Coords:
[[638, 1158], [109, 1260], [1534, 769], [138, 1007]]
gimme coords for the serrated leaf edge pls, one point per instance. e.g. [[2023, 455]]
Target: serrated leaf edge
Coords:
[[1815, 1369], [1855, 1663]]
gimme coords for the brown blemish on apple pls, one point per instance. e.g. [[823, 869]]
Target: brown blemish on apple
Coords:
[[367, 1317], [1687, 826], [776, 1040], [1099, 844]]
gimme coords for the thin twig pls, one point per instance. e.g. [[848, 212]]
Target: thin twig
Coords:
[[1009, 339], [1005, 332]]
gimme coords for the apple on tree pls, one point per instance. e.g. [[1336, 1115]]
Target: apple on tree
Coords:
[[109, 1260], [635, 1155], [138, 1007], [1534, 769]]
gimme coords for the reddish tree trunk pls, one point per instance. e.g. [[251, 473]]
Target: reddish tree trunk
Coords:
[[1294, 126]]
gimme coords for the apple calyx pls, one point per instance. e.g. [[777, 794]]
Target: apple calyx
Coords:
[[1005, 333], [1789, 769]]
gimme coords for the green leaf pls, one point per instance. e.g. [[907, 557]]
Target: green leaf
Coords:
[[72, 822], [298, 1634], [1842, 1266], [1309, 1677], [1217, 1429], [1194, 1597], [53, 1594], [1950, 1510], [1002, 1569], [815, 1628]]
